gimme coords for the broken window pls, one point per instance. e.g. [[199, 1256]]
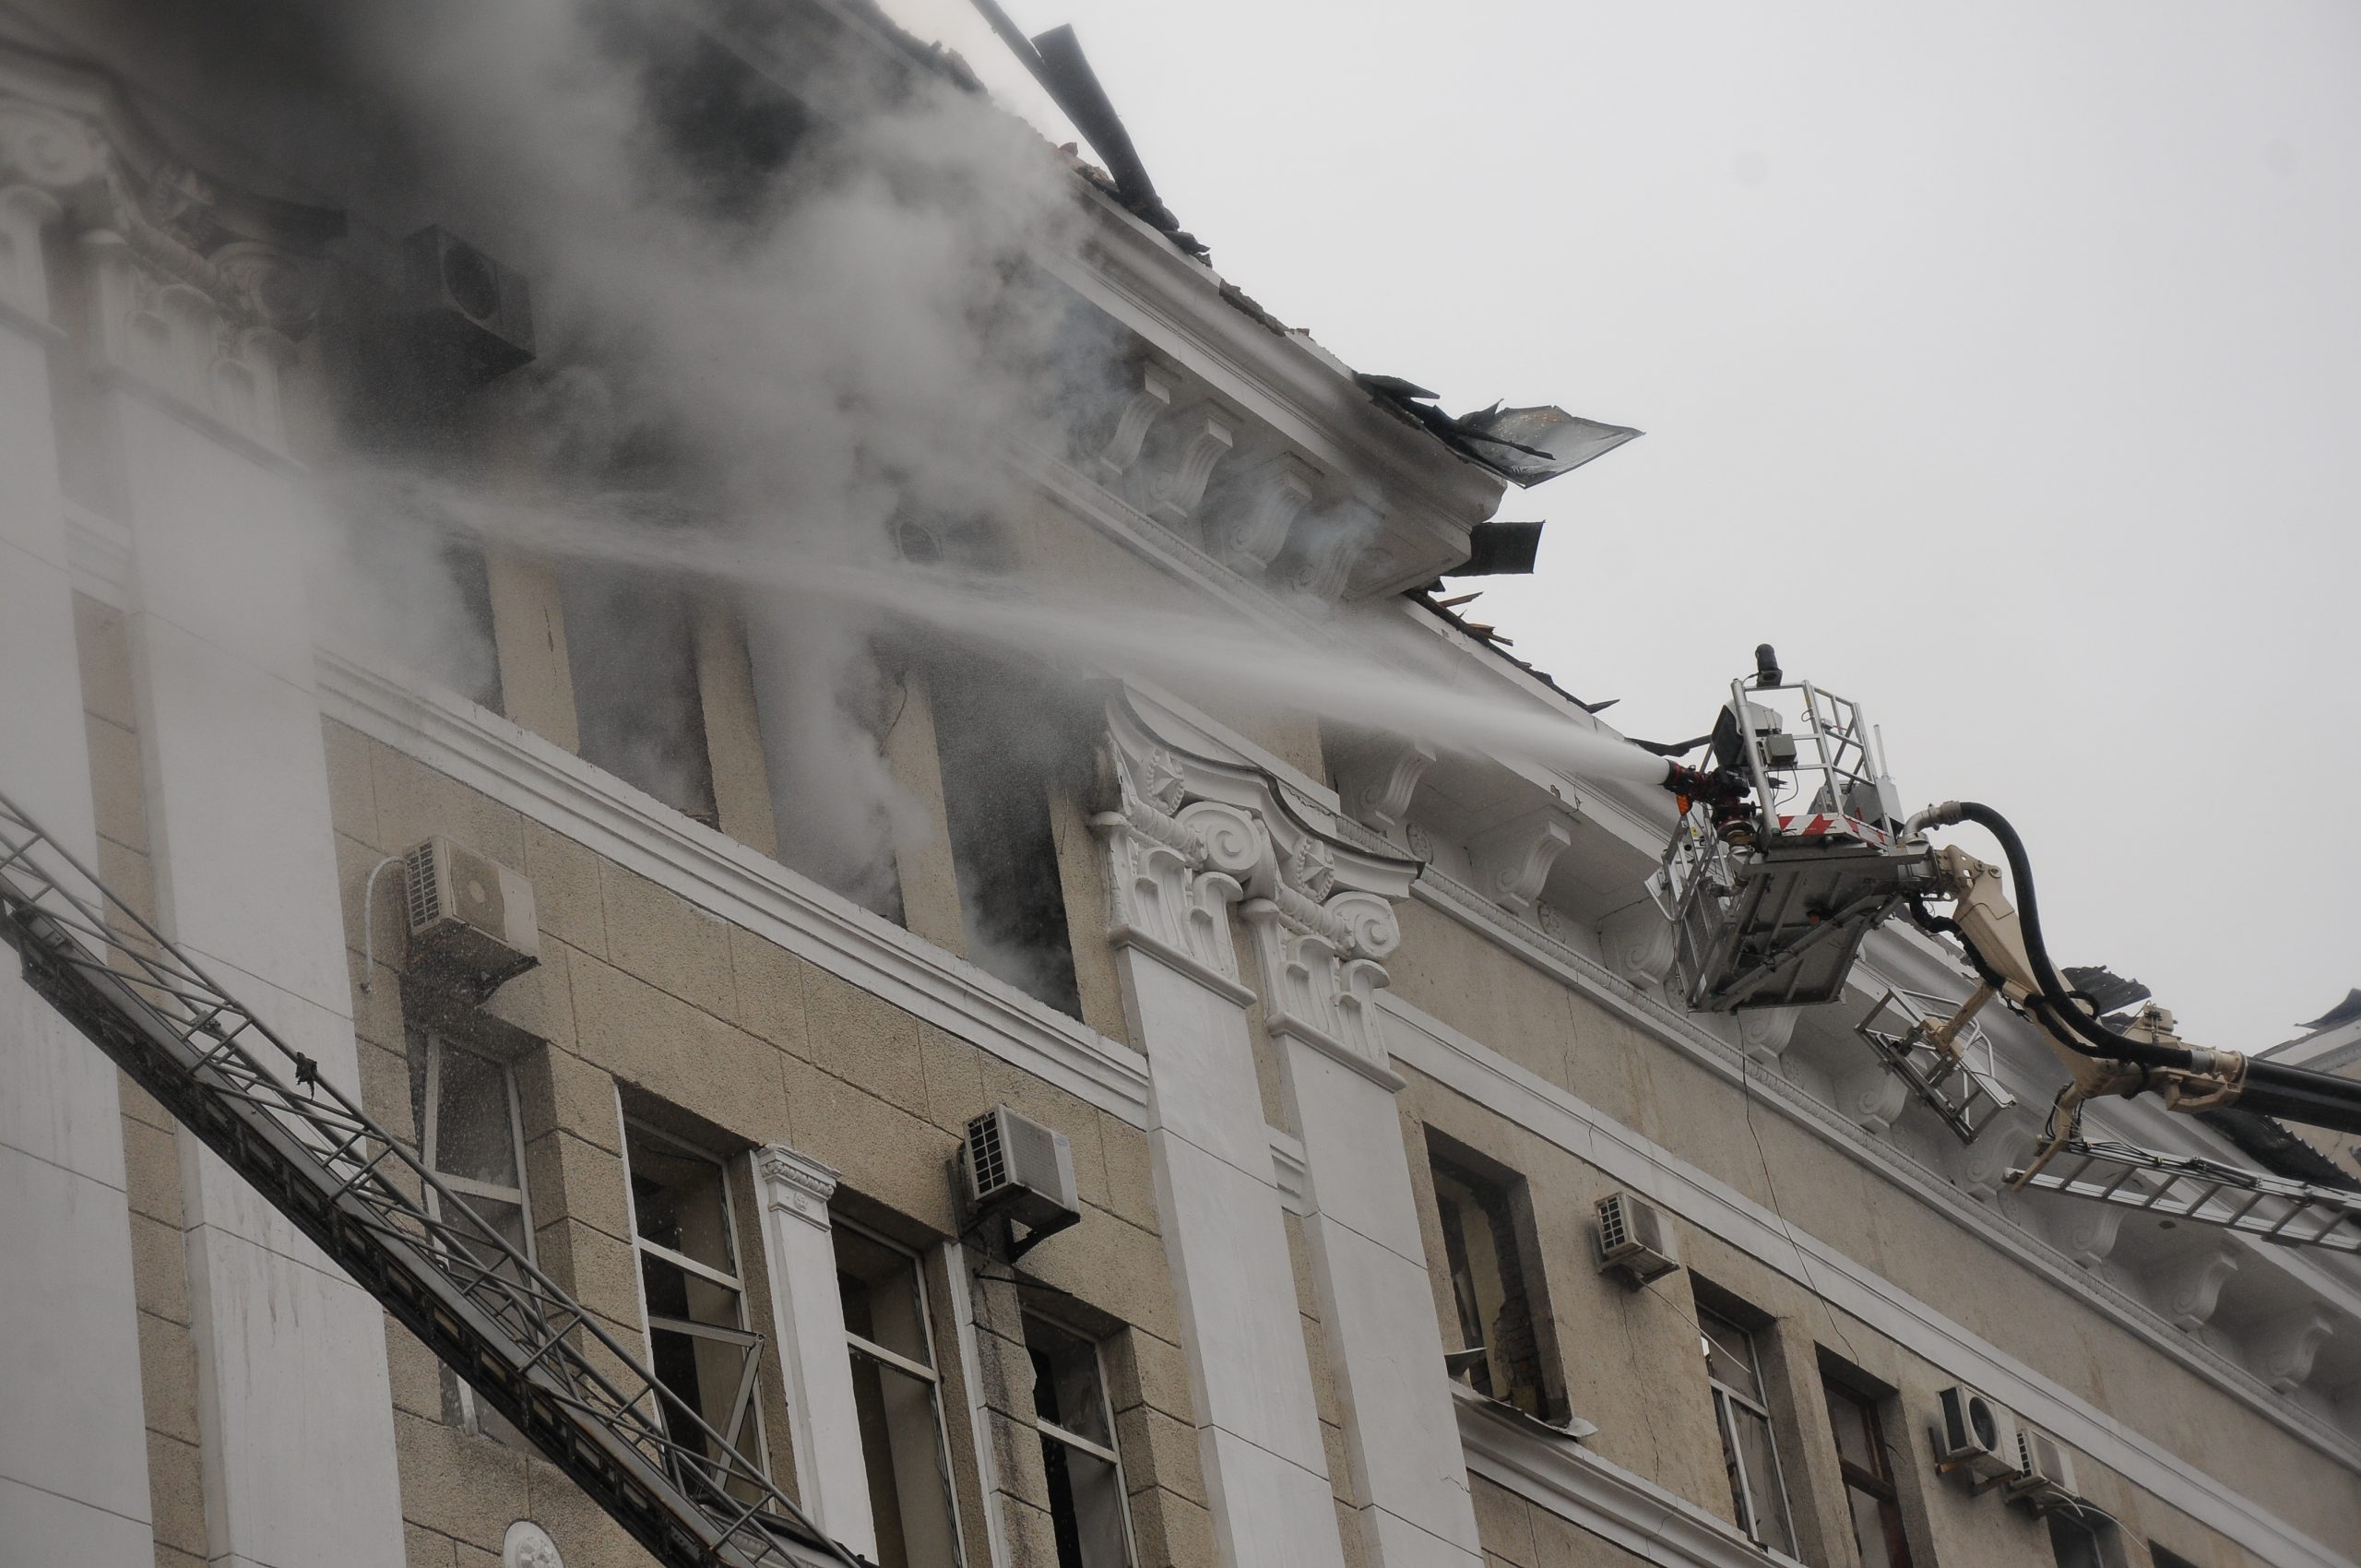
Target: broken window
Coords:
[[898, 1398], [1078, 1455], [999, 748], [470, 1134], [1492, 1285], [2083, 1542], [1867, 1461], [1757, 1492], [682, 1230], [631, 645]]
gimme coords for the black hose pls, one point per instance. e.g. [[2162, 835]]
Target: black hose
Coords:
[[2058, 995], [2297, 1094]]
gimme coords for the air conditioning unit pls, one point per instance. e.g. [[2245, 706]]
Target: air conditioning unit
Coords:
[[468, 305], [1018, 1168], [2045, 1469], [1974, 1434], [1635, 1240], [468, 913]]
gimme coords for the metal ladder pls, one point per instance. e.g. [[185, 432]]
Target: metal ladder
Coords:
[[527, 1348], [2294, 1214]]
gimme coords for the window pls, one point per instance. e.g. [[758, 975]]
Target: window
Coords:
[[471, 1135], [897, 1396], [2079, 1541], [1078, 1448], [631, 646], [1491, 1286], [1755, 1488], [1867, 1464], [995, 742], [2165, 1557], [688, 1277]]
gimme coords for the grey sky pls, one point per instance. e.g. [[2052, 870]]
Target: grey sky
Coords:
[[2000, 363]]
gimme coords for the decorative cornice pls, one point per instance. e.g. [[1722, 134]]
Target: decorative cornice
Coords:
[[796, 1183], [1514, 858], [562, 793], [1427, 1046]]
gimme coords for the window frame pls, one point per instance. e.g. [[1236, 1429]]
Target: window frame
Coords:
[[1733, 1453], [459, 1395], [1498, 1200], [1111, 1454], [746, 1405], [862, 1345], [1880, 1485]]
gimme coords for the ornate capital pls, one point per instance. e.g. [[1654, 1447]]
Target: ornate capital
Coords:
[[1194, 834], [795, 1183]]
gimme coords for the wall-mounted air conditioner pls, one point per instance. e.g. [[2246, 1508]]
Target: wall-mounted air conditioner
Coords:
[[2045, 1470], [1976, 1436], [1635, 1240], [1018, 1168], [468, 914], [468, 304]]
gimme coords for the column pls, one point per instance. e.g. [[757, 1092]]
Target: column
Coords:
[[809, 1319], [73, 1443], [293, 1403], [1175, 867]]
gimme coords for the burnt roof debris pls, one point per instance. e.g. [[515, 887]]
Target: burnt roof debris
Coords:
[[1525, 446], [1500, 550], [2108, 991], [1425, 598], [2270, 1144], [2345, 1012], [1057, 62]]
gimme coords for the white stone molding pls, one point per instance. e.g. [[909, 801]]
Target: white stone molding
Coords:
[[1424, 1044], [1764, 1033], [1145, 405], [1871, 1097], [527, 1545], [1640, 943], [26, 212], [1271, 502], [1512, 859], [2287, 1347], [1378, 779], [807, 1314], [2008, 1141], [1598, 1495], [1327, 545], [2187, 1289], [2085, 1232], [1173, 493]]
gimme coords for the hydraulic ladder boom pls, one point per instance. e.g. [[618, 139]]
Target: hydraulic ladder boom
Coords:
[[526, 1347]]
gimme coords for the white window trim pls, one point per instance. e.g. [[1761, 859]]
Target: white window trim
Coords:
[[744, 1403], [932, 1378], [434, 1043], [1110, 1453], [1724, 1394]]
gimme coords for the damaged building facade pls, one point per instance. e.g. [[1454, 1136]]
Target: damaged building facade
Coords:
[[1355, 1038]]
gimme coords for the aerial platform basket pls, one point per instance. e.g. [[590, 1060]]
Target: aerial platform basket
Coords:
[[1772, 903]]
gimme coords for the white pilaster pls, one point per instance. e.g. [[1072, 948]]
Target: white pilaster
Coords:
[[1174, 866], [809, 1319], [73, 1443], [1321, 918], [293, 1403]]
